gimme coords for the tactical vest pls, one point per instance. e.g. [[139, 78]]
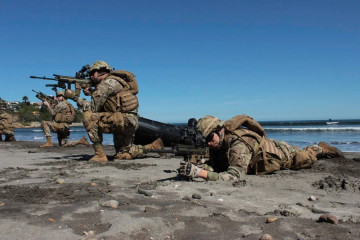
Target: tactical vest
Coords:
[[266, 150], [66, 115], [125, 100]]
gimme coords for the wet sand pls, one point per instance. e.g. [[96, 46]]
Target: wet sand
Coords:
[[35, 204]]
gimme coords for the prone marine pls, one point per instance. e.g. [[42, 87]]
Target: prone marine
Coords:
[[239, 146]]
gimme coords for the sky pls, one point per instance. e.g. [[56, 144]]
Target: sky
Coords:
[[272, 60]]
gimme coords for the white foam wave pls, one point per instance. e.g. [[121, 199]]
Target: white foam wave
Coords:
[[35, 130], [35, 138], [315, 129]]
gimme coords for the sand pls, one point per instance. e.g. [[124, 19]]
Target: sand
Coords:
[[55, 193]]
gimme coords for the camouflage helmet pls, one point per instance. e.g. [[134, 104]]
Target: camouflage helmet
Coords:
[[60, 93], [208, 124], [99, 66]]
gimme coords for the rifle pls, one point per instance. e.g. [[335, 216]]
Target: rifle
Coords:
[[43, 97], [190, 144], [67, 80], [190, 153], [81, 77]]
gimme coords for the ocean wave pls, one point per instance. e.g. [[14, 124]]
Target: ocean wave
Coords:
[[36, 138], [315, 129], [36, 130]]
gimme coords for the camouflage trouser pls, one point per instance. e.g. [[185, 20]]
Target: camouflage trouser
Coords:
[[61, 129], [123, 140], [242, 160], [123, 128], [8, 134]]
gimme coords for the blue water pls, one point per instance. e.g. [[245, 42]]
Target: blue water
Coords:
[[345, 135]]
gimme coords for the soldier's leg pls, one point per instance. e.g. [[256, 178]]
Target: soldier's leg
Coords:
[[123, 140], [63, 136], [304, 158], [91, 124], [82, 141], [328, 151], [124, 137], [45, 125], [9, 136]]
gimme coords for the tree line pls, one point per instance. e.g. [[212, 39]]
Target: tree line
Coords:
[[28, 112]]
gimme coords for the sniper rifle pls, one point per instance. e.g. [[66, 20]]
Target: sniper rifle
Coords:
[[43, 97], [81, 77]]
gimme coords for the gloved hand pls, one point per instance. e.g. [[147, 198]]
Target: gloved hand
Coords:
[[70, 94], [189, 170]]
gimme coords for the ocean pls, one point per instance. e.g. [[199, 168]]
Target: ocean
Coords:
[[345, 135]]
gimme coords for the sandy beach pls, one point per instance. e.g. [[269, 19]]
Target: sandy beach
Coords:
[[55, 193]]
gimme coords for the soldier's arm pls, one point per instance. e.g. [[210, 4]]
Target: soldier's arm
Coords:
[[102, 92], [239, 157], [49, 108], [83, 104]]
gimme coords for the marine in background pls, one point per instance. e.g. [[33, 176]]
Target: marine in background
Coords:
[[239, 146], [113, 109], [6, 127], [63, 114]]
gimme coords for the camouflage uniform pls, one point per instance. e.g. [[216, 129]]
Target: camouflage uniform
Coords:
[[243, 148], [6, 127], [98, 119], [62, 118], [235, 157]]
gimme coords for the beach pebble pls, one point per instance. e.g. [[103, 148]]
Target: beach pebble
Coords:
[[52, 220], [266, 237], [93, 184], [328, 218], [312, 198], [60, 181], [186, 198], [149, 209], [196, 196], [145, 192], [111, 204], [271, 219]]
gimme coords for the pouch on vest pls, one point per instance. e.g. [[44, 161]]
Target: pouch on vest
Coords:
[[127, 101], [261, 165], [110, 121], [66, 116], [58, 127]]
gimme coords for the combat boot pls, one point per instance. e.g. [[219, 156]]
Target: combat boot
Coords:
[[157, 144], [84, 141], [123, 156], [99, 156], [12, 138], [49, 143], [330, 151]]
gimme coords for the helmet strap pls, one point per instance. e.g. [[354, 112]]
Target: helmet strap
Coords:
[[221, 136]]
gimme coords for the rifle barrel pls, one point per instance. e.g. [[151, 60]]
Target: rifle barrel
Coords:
[[44, 78]]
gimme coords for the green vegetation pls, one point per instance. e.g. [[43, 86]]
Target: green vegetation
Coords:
[[33, 113]]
